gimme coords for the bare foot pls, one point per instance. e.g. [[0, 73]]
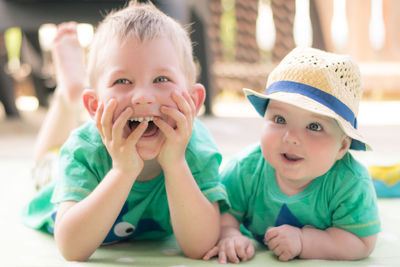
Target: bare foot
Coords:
[[69, 61]]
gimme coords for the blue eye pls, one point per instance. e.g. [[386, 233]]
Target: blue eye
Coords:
[[279, 119], [314, 127], [161, 79], [122, 81]]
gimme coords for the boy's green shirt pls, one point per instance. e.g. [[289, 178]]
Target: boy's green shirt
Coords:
[[84, 162]]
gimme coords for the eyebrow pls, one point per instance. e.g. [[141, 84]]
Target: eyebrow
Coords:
[[312, 114]]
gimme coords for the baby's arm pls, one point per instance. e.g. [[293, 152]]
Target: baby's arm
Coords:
[[232, 246], [82, 226], [333, 243]]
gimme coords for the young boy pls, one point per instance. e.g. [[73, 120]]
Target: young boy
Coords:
[[145, 168], [300, 191]]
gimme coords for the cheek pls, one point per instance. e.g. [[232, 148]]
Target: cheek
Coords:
[[165, 99], [269, 139], [324, 150], [122, 104]]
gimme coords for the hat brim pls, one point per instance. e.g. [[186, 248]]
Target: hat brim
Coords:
[[260, 103]]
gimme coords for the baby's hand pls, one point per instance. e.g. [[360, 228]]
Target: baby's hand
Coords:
[[122, 150], [235, 249], [174, 147], [285, 241]]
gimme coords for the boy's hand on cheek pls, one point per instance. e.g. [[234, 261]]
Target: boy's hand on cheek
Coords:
[[173, 149], [285, 241], [122, 150]]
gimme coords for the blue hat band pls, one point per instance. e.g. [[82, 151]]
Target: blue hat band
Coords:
[[322, 97]]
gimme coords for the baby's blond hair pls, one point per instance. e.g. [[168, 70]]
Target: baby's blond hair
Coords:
[[144, 22]]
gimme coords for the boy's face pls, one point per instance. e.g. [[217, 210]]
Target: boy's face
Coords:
[[141, 76], [300, 145]]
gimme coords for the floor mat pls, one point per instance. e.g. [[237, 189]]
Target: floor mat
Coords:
[[21, 246]]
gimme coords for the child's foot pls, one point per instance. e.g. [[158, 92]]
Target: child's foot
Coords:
[[69, 62]]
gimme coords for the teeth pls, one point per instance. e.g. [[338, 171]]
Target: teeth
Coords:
[[140, 119]]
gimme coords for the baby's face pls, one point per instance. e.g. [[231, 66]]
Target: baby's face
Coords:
[[300, 145], [141, 76]]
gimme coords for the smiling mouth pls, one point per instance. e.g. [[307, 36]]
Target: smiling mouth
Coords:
[[151, 129]]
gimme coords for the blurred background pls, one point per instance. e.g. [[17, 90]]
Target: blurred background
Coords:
[[236, 44]]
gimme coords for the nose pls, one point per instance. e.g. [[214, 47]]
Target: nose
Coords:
[[291, 137], [142, 96]]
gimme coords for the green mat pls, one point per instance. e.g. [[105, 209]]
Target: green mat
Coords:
[[21, 246]]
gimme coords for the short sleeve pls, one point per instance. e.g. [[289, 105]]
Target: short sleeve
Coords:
[[355, 205], [204, 160], [82, 165], [232, 180]]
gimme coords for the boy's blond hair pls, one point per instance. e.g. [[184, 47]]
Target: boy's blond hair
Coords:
[[144, 22]]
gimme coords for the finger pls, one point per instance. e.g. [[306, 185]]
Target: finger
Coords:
[[270, 234], [97, 118], [181, 102], [285, 256], [192, 107], [277, 251], [106, 119], [120, 123], [231, 253], [273, 244], [138, 132], [250, 251], [222, 256], [190, 101], [165, 128], [175, 114], [241, 252], [211, 253]]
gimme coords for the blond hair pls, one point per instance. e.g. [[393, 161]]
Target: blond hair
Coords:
[[144, 22]]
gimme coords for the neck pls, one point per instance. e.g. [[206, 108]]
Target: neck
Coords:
[[290, 187], [151, 170]]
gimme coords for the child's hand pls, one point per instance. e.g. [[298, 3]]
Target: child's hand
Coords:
[[235, 249], [122, 150], [285, 241], [173, 149]]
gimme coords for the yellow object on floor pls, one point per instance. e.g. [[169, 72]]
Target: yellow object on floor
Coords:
[[386, 180]]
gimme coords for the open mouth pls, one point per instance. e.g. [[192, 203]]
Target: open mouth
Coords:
[[151, 129], [291, 157]]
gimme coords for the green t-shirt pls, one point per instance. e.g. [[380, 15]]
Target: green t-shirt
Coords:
[[84, 162], [343, 197]]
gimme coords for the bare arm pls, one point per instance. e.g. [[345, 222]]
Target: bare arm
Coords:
[[82, 226], [288, 242], [194, 219], [335, 244]]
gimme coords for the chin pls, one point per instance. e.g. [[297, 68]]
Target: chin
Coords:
[[147, 154]]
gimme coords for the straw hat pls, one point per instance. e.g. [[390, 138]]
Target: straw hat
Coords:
[[320, 82]]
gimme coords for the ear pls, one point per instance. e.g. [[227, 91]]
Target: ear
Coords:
[[345, 145], [90, 102], [198, 94]]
